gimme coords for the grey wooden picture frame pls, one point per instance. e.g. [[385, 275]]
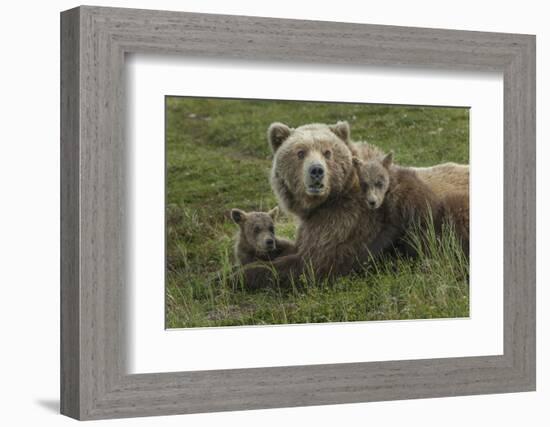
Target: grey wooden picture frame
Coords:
[[94, 380]]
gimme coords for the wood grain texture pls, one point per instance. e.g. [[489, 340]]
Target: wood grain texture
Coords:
[[70, 220], [94, 381]]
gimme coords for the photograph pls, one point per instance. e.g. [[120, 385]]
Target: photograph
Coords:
[[267, 213], [297, 212]]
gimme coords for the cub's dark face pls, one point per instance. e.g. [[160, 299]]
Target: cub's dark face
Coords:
[[309, 163], [257, 228], [374, 179]]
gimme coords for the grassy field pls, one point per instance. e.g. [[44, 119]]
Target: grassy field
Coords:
[[218, 158]]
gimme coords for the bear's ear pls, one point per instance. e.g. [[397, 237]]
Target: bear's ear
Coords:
[[277, 134], [387, 160], [356, 161], [341, 130], [274, 213], [238, 216]]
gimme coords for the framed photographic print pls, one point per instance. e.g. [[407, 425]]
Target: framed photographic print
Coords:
[[262, 213]]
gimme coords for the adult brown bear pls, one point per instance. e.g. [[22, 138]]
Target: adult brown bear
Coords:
[[313, 178]]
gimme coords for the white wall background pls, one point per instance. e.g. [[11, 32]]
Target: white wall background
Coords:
[[29, 212]]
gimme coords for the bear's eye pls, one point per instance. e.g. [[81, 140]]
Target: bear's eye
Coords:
[[301, 154], [271, 229], [256, 230], [327, 154], [379, 184]]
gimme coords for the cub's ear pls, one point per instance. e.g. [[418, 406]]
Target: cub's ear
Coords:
[[341, 130], [238, 216], [274, 213], [277, 134], [387, 160], [356, 161]]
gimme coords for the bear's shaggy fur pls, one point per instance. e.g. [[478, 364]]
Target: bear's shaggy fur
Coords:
[[442, 179], [256, 240], [401, 201], [456, 209], [314, 178], [446, 178]]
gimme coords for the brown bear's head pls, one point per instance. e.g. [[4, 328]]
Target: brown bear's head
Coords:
[[257, 228], [374, 178], [311, 163]]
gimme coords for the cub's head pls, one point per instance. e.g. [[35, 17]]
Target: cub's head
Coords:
[[257, 228], [374, 178], [310, 163]]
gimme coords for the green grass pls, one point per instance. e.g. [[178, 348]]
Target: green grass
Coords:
[[218, 158]]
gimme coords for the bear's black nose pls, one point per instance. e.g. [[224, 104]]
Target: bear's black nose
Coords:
[[269, 242], [316, 171]]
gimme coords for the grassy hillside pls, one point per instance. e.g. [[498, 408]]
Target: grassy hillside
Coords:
[[218, 158]]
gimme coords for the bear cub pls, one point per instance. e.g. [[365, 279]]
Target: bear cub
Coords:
[[402, 199], [256, 240]]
